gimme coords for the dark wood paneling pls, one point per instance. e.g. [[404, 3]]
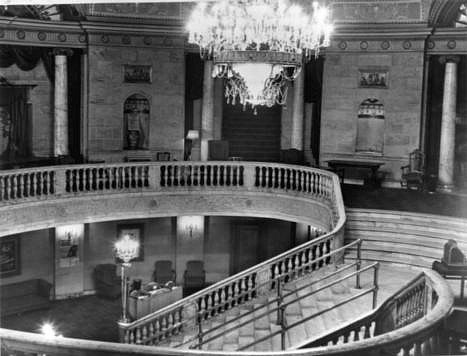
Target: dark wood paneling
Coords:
[[253, 137]]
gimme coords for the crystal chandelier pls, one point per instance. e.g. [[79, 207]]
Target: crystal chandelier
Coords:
[[257, 45]]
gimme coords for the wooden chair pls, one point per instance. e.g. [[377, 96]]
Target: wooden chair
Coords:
[[412, 173], [163, 272]]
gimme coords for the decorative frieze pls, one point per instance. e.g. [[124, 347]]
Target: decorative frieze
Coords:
[[377, 45]]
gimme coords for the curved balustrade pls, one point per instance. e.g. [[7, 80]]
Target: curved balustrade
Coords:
[[410, 322], [280, 191], [400, 325]]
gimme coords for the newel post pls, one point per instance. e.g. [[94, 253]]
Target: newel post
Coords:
[[250, 176], [60, 181]]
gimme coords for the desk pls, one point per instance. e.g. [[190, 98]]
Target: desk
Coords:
[[149, 302], [335, 164]]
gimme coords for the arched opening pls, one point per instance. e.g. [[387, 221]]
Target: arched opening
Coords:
[[136, 123], [370, 128]]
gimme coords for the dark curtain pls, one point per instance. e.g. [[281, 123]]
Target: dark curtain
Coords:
[[27, 58], [19, 145], [313, 94]]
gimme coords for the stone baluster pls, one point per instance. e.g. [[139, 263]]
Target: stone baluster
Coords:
[[448, 125]]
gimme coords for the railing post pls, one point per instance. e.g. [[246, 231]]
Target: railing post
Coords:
[[375, 285], [359, 263], [249, 172], [281, 312], [60, 181], [199, 320], [154, 176]]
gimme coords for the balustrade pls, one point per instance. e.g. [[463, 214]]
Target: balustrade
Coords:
[[63, 181], [409, 321]]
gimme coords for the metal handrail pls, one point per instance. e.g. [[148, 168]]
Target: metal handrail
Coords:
[[282, 307]]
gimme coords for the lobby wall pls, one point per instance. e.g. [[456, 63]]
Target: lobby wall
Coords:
[[108, 92], [36, 257], [342, 97]]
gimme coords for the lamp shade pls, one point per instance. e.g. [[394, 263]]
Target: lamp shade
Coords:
[[192, 135]]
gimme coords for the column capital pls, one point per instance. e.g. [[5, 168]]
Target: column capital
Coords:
[[449, 59], [62, 52]]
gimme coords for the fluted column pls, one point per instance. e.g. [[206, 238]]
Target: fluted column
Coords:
[[207, 110], [297, 116], [61, 102], [448, 125]]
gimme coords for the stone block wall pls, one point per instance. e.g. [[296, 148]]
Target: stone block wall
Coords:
[[108, 92], [401, 99]]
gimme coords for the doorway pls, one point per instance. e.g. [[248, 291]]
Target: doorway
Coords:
[[245, 246]]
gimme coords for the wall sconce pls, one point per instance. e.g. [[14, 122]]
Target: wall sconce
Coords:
[[191, 226], [192, 135]]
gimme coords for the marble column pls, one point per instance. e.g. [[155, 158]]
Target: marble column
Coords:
[[61, 103], [448, 125], [298, 108], [207, 110]]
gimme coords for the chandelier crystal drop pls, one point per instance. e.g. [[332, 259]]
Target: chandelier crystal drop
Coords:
[[258, 44]]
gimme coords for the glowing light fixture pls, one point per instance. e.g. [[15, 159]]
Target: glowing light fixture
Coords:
[[126, 249], [258, 44], [48, 330]]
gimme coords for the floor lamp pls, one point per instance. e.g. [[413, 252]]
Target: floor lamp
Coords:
[[126, 249]]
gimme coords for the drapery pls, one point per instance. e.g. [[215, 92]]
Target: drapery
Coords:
[[27, 58], [18, 143]]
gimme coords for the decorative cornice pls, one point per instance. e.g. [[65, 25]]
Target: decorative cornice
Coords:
[[448, 41]]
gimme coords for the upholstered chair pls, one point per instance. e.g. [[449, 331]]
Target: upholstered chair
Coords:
[[195, 275], [163, 272]]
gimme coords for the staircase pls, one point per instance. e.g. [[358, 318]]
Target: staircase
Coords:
[[325, 300]]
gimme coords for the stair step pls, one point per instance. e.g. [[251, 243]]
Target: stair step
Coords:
[[230, 347], [261, 323], [265, 345], [276, 340], [314, 326], [297, 334], [245, 340]]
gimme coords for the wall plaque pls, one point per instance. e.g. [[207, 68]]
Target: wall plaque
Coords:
[[135, 73]]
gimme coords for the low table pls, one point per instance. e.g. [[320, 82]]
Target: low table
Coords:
[[373, 166], [147, 302]]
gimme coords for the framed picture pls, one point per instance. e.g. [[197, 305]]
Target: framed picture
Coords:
[[373, 78], [136, 232], [135, 73], [10, 263]]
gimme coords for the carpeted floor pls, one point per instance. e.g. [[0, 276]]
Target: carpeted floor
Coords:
[[356, 196]]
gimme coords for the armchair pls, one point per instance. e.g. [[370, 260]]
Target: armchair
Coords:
[[412, 173], [106, 281], [163, 272], [195, 275]]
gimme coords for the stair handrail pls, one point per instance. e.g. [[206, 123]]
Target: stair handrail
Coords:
[[281, 306], [275, 284], [411, 319], [249, 278]]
